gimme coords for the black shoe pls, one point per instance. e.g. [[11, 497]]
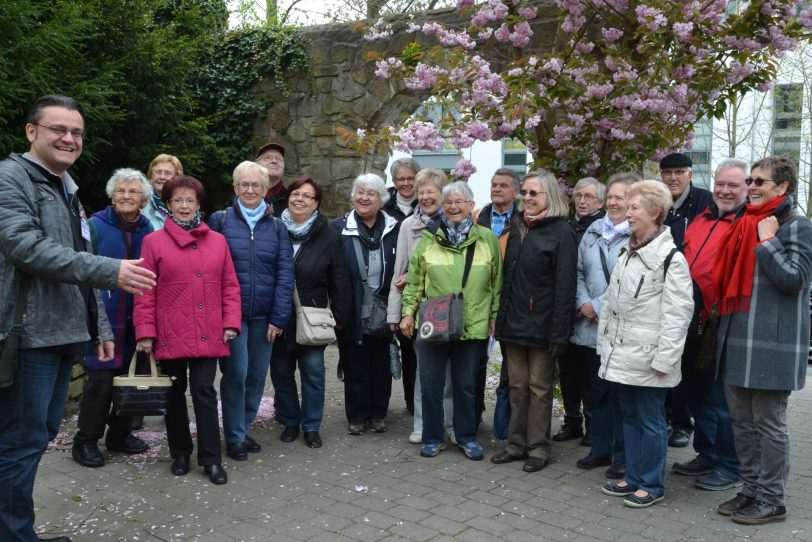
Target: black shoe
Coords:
[[591, 461], [376, 425], [505, 457], [568, 432], [137, 423], [130, 444], [252, 446], [679, 438], [729, 507], [87, 454], [694, 467], [289, 434], [236, 451], [356, 429], [57, 539], [587, 440], [616, 472], [535, 464], [217, 474], [340, 373], [180, 465], [759, 513], [312, 439]]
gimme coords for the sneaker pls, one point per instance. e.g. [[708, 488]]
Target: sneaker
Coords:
[[472, 450], [356, 429], [716, 481], [694, 467], [633, 501], [416, 437], [452, 437], [759, 513], [614, 489], [730, 506], [431, 450]]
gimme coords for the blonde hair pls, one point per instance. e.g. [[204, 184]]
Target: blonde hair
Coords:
[[248, 166], [165, 158], [655, 198], [429, 175], [557, 204]]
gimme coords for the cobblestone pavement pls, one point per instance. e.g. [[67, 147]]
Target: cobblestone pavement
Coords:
[[377, 487]]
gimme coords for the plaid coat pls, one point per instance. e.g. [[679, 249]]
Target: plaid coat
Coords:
[[767, 347]]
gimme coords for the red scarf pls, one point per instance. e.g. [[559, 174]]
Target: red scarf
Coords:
[[736, 262]]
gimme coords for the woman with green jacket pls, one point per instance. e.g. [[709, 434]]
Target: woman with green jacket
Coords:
[[436, 269]]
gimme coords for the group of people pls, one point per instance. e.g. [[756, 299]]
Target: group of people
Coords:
[[665, 309]]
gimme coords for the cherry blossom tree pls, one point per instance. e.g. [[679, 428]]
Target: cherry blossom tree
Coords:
[[623, 82]]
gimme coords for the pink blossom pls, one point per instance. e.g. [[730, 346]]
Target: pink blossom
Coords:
[[378, 31], [650, 17], [418, 135], [611, 34], [584, 47], [361, 133], [683, 30], [463, 169], [424, 77], [521, 34], [383, 67], [528, 12], [502, 33], [532, 122], [462, 4]]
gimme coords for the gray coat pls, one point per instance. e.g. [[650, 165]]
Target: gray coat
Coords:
[[591, 278], [767, 347], [36, 237]]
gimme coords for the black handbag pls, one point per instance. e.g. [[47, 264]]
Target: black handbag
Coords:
[[10, 341], [373, 307], [441, 319], [141, 395]]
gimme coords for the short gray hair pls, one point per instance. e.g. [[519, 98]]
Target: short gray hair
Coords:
[[459, 188], [128, 174], [626, 177], [370, 180], [592, 181], [507, 172], [248, 166], [730, 163], [557, 204], [410, 163]]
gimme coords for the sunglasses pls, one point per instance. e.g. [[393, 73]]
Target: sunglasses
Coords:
[[531, 193], [758, 181]]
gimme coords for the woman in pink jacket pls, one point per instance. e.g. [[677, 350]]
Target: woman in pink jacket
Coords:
[[188, 320]]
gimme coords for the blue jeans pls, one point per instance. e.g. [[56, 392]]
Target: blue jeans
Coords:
[[309, 413], [432, 359], [606, 429], [243, 381], [645, 432], [32, 411]]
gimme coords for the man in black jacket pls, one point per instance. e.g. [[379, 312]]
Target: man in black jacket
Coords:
[[272, 156]]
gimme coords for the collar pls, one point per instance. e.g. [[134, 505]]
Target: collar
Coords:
[[685, 195], [351, 225], [70, 185], [506, 214]]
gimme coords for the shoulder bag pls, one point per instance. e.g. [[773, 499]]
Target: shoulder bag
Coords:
[[373, 308], [314, 326], [141, 395], [440, 318]]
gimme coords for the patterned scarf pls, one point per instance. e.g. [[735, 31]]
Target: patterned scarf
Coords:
[[612, 230], [189, 224], [370, 237], [428, 219], [458, 233], [299, 232], [160, 205]]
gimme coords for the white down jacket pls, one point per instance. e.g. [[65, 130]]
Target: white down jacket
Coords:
[[645, 316]]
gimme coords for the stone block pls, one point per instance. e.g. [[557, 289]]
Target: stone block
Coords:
[[325, 70], [320, 130]]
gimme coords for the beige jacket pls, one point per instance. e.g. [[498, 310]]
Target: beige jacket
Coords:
[[411, 230], [645, 316]]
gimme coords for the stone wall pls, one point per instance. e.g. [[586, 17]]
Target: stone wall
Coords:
[[348, 95]]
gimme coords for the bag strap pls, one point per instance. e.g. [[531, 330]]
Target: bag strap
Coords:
[[296, 301], [153, 367], [362, 267], [19, 309], [469, 259], [667, 261], [605, 266]]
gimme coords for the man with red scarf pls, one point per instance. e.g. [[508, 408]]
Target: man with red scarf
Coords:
[[762, 279]]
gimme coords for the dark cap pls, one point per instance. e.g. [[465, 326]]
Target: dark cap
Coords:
[[676, 159], [271, 145]]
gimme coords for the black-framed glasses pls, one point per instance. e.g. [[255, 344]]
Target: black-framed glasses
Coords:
[[758, 181], [531, 193], [61, 131], [297, 195]]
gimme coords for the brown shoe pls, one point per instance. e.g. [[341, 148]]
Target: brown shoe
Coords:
[[505, 457], [535, 464], [759, 513], [738, 502]]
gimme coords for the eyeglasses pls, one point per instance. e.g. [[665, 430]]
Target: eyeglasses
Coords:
[[61, 131], [674, 172], [179, 201], [301, 195], [531, 193], [121, 192], [371, 194], [404, 179], [164, 172], [457, 203], [245, 187], [758, 181], [585, 197]]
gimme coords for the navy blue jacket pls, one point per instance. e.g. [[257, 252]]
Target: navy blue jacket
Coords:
[[348, 228], [263, 261], [678, 219]]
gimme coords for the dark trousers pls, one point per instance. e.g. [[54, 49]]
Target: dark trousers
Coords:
[[367, 378], [679, 399], [200, 380], [481, 378], [408, 361], [606, 429], [576, 386], [96, 411]]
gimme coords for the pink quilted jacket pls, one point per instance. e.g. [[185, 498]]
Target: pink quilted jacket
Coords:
[[197, 296]]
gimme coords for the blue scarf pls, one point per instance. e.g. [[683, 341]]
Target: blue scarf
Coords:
[[458, 233], [612, 230], [252, 216], [299, 232]]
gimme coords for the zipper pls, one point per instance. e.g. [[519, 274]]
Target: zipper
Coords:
[[640, 285]]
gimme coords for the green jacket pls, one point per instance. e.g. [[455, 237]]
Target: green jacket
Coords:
[[435, 269]]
